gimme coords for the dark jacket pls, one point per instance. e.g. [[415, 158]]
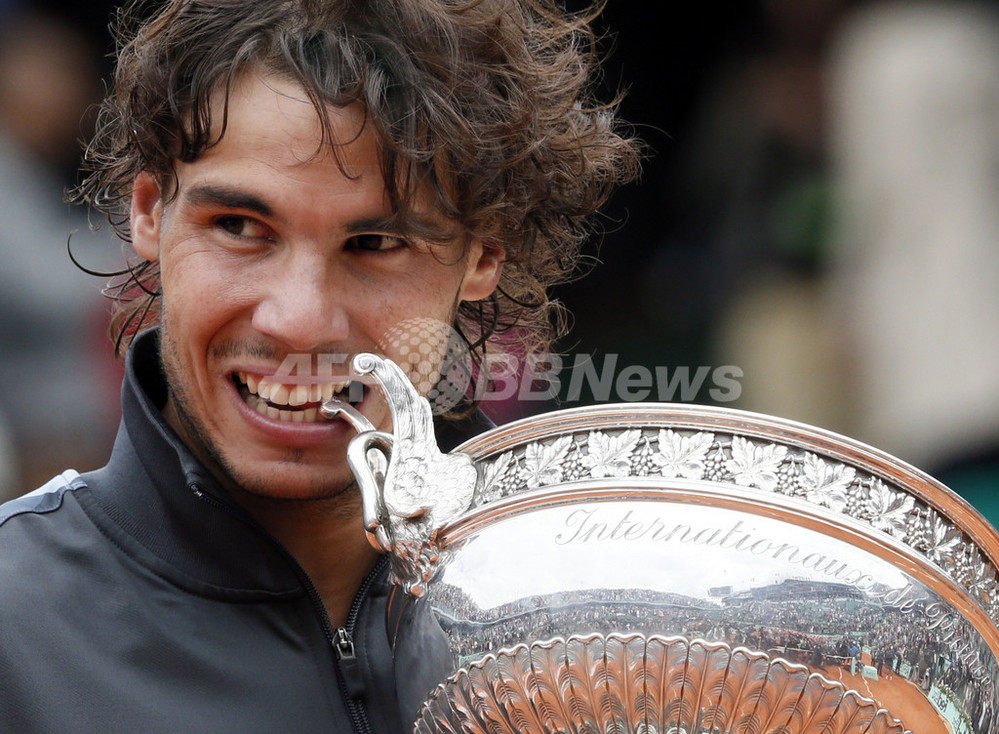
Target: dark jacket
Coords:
[[140, 598]]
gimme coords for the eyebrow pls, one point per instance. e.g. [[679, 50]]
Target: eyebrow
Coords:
[[373, 224], [235, 198], [230, 198]]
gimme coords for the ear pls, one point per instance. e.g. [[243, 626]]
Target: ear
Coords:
[[146, 216], [482, 272]]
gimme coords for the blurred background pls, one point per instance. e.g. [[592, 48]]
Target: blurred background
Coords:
[[818, 217]]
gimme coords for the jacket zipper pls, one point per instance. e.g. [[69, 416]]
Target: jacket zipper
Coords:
[[343, 644], [341, 639]]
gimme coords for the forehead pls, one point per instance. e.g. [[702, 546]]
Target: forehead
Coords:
[[273, 146], [269, 123]]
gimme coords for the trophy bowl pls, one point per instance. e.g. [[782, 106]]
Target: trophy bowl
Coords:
[[654, 568]]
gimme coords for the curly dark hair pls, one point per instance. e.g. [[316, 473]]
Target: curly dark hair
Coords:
[[488, 105]]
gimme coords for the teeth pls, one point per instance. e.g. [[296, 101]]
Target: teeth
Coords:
[[265, 395], [279, 394], [299, 395]]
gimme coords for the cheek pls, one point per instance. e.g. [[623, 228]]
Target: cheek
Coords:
[[200, 293], [434, 290], [414, 325], [415, 299]]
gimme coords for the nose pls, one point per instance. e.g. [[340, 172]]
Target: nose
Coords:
[[302, 307]]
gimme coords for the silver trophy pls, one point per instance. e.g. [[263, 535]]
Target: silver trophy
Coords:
[[668, 569]]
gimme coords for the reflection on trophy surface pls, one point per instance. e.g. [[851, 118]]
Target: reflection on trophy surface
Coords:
[[669, 568]]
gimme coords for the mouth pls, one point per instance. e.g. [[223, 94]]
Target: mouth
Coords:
[[293, 403]]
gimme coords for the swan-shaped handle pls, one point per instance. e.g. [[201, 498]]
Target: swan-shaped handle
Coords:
[[409, 487]]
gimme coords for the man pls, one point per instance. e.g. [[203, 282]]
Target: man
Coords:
[[300, 177]]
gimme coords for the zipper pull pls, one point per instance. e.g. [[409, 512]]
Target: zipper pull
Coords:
[[353, 679], [343, 644]]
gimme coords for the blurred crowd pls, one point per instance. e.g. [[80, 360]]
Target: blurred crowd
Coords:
[[58, 405], [826, 221], [819, 211]]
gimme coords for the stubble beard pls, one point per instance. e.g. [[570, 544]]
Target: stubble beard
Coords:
[[331, 493]]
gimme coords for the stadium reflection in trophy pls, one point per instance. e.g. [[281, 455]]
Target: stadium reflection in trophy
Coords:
[[656, 568]]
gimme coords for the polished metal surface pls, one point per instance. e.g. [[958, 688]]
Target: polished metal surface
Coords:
[[675, 568], [630, 683]]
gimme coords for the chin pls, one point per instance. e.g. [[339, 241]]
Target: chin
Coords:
[[292, 483]]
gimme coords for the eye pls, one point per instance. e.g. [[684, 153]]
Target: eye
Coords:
[[376, 242], [242, 226]]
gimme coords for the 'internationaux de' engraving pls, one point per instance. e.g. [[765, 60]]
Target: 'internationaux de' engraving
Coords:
[[584, 526], [587, 525]]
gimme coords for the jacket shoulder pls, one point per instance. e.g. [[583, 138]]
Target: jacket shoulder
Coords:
[[46, 498]]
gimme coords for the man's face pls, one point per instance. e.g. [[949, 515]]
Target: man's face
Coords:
[[269, 256]]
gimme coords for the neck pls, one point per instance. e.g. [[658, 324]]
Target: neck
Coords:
[[327, 539], [325, 535]]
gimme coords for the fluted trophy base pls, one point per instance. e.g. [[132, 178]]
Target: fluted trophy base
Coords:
[[633, 684]]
